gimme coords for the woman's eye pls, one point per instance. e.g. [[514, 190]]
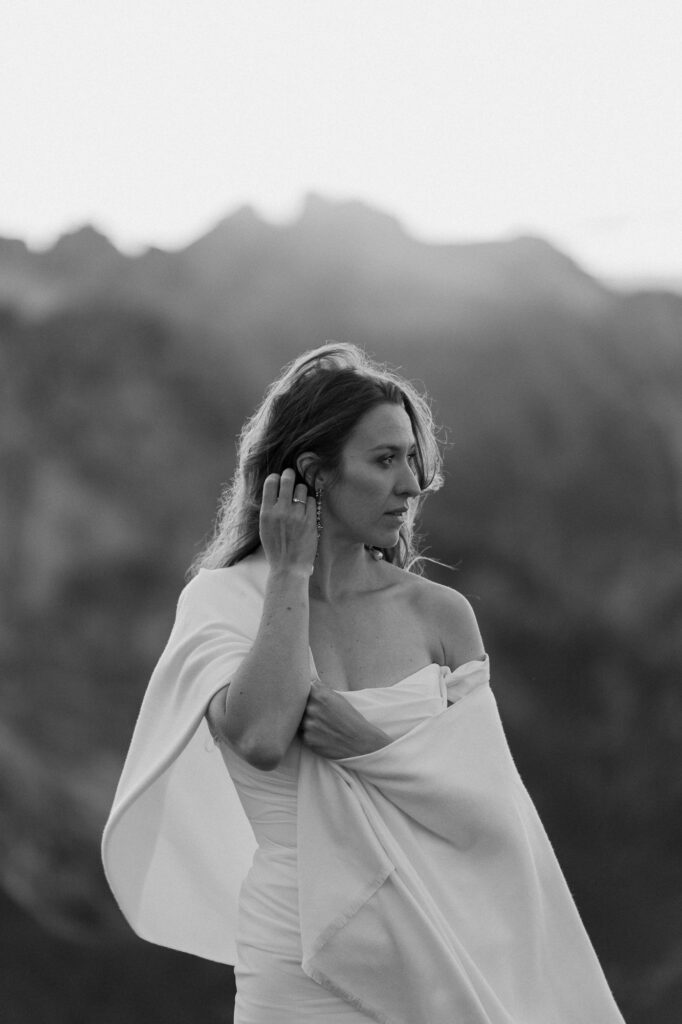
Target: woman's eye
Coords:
[[386, 460]]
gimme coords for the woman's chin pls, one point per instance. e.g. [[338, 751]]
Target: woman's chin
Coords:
[[388, 539]]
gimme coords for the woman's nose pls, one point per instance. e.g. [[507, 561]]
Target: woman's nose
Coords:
[[408, 483]]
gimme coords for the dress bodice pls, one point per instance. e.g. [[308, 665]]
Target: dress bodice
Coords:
[[398, 708], [270, 798]]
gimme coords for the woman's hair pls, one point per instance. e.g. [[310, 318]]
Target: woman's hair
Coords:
[[313, 407]]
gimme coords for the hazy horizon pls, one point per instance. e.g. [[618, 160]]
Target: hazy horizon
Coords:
[[469, 123], [614, 274]]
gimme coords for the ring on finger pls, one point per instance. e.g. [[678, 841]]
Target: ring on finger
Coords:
[[299, 501]]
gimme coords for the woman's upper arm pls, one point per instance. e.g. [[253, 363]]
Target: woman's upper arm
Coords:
[[459, 633], [214, 633]]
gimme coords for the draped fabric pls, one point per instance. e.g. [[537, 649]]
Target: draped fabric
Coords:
[[428, 889], [177, 843]]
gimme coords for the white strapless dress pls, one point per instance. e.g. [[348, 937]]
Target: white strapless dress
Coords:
[[272, 987]]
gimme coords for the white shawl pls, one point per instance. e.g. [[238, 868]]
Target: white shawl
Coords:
[[178, 844], [429, 890]]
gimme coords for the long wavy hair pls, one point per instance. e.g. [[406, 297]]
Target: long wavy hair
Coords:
[[314, 406]]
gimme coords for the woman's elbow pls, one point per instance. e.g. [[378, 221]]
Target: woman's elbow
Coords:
[[260, 752], [256, 745], [263, 760], [265, 757]]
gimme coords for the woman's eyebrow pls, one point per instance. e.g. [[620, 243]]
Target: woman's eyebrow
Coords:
[[394, 447]]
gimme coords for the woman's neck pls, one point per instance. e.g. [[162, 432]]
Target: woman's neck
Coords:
[[341, 570]]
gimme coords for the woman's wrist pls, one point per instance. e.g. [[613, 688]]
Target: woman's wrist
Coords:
[[288, 587], [290, 575], [374, 740]]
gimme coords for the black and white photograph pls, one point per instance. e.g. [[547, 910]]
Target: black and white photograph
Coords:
[[341, 509]]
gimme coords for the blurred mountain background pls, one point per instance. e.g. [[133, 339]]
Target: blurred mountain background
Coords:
[[124, 381]]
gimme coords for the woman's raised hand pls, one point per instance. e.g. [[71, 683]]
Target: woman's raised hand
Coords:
[[288, 528], [333, 728]]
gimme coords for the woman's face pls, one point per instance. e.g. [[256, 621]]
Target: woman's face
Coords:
[[368, 499]]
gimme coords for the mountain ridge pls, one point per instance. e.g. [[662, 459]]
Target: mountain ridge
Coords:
[[334, 245]]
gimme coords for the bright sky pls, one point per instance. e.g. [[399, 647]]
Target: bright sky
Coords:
[[465, 118]]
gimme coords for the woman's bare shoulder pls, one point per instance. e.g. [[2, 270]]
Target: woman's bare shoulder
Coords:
[[451, 615]]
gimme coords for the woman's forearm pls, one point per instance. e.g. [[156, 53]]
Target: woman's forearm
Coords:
[[262, 706]]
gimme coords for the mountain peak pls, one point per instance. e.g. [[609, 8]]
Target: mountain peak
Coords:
[[534, 249], [244, 216], [320, 213], [83, 241], [238, 227]]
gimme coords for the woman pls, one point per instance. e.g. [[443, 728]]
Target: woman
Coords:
[[393, 867]]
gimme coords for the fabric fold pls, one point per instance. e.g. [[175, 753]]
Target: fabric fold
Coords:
[[177, 843], [475, 923]]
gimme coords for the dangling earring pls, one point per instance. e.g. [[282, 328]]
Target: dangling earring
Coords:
[[318, 510], [376, 554]]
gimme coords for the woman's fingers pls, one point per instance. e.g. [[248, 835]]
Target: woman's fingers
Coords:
[[300, 498], [333, 728], [286, 486], [284, 490], [270, 490], [316, 699], [288, 529], [283, 499]]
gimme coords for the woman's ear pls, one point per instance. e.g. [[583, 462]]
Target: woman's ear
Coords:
[[307, 465]]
